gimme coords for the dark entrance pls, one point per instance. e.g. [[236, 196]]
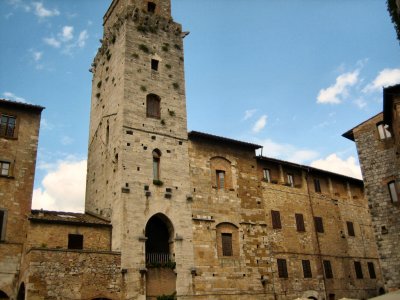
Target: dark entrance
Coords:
[[21, 292], [159, 243]]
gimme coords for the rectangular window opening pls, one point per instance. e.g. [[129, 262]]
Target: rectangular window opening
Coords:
[[151, 7], [306, 268], [300, 222], [3, 218], [393, 192], [220, 179], [154, 64], [350, 228], [282, 268], [5, 168], [371, 270], [317, 185], [75, 241], [319, 225], [7, 126], [227, 244], [358, 269], [267, 175], [290, 180], [276, 219], [328, 269]]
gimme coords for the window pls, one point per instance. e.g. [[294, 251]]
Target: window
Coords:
[[220, 179], [317, 186], [393, 192], [282, 268], [5, 168], [300, 222], [319, 225], [306, 268], [154, 64], [267, 175], [153, 106], [3, 218], [7, 126], [226, 239], [290, 180], [350, 228], [276, 219], [328, 269], [358, 269], [383, 131], [156, 164], [75, 241], [371, 270], [151, 7]]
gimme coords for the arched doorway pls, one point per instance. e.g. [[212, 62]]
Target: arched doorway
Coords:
[[159, 244], [21, 292], [3, 295], [160, 260]]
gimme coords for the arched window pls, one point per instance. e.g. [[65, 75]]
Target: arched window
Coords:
[[153, 106], [156, 164], [227, 240], [221, 173]]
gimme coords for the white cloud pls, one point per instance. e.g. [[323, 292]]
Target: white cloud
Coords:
[[43, 12], [260, 124], [249, 113], [338, 91], [386, 77], [63, 188], [52, 42], [67, 33], [66, 140], [37, 56], [12, 96], [361, 103], [19, 4], [333, 163], [83, 36], [287, 152]]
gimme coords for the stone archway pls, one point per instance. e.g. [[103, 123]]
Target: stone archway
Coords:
[[160, 260], [3, 295]]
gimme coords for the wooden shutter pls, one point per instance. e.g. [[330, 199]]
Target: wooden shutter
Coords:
[[276, 219], [300, 222], [319, 225]]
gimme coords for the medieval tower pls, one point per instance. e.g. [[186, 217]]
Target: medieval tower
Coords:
[[138, 166]]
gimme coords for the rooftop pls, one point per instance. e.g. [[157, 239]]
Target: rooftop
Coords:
[[68, 218], [21, 105], [207, 136]]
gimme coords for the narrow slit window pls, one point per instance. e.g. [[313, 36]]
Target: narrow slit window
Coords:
[[220, 179], [328, 269], [226, 239], [371, 270], [317, 185], [350, 228], [154, 64], [3, 218], [75, 241], [319, 225], [156, 164], [358, 269], [393, 192]]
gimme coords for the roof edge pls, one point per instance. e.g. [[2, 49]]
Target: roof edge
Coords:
[[198, 134]]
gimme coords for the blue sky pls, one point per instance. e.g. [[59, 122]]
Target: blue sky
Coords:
[[291, 75]]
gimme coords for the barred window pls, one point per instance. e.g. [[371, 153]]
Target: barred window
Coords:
[[226, 244]]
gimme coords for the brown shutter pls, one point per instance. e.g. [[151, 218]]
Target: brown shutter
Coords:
[[276, 219], [300, 222], [319, 225]]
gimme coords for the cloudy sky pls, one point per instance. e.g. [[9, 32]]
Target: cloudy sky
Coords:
[[290, 75]]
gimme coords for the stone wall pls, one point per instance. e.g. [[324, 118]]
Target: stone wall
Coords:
[[377, 158]]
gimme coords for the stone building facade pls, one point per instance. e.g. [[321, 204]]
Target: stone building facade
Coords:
[[185, 214], [378, 146]]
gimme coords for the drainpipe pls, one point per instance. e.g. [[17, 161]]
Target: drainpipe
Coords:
[[316, 234]]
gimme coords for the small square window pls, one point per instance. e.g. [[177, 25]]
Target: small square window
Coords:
[[75, 241], [154, 64]]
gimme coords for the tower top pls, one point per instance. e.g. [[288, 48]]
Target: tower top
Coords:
[[158, 7]]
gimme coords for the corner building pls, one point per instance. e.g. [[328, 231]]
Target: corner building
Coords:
[[186, 215]]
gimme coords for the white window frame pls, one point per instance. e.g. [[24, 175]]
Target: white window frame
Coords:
[[383, 130], [267, 175], [392, 187]]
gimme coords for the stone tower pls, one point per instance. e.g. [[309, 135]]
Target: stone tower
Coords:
[[138, 166]]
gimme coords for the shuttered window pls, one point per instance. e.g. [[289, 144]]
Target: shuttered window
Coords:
[[282, 268], [306, 268], [328, 269], [350, 228], [276, 219], [319, 225], [153, 106], [226, 244], [371, 270], [300, 222], [358, 269]]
